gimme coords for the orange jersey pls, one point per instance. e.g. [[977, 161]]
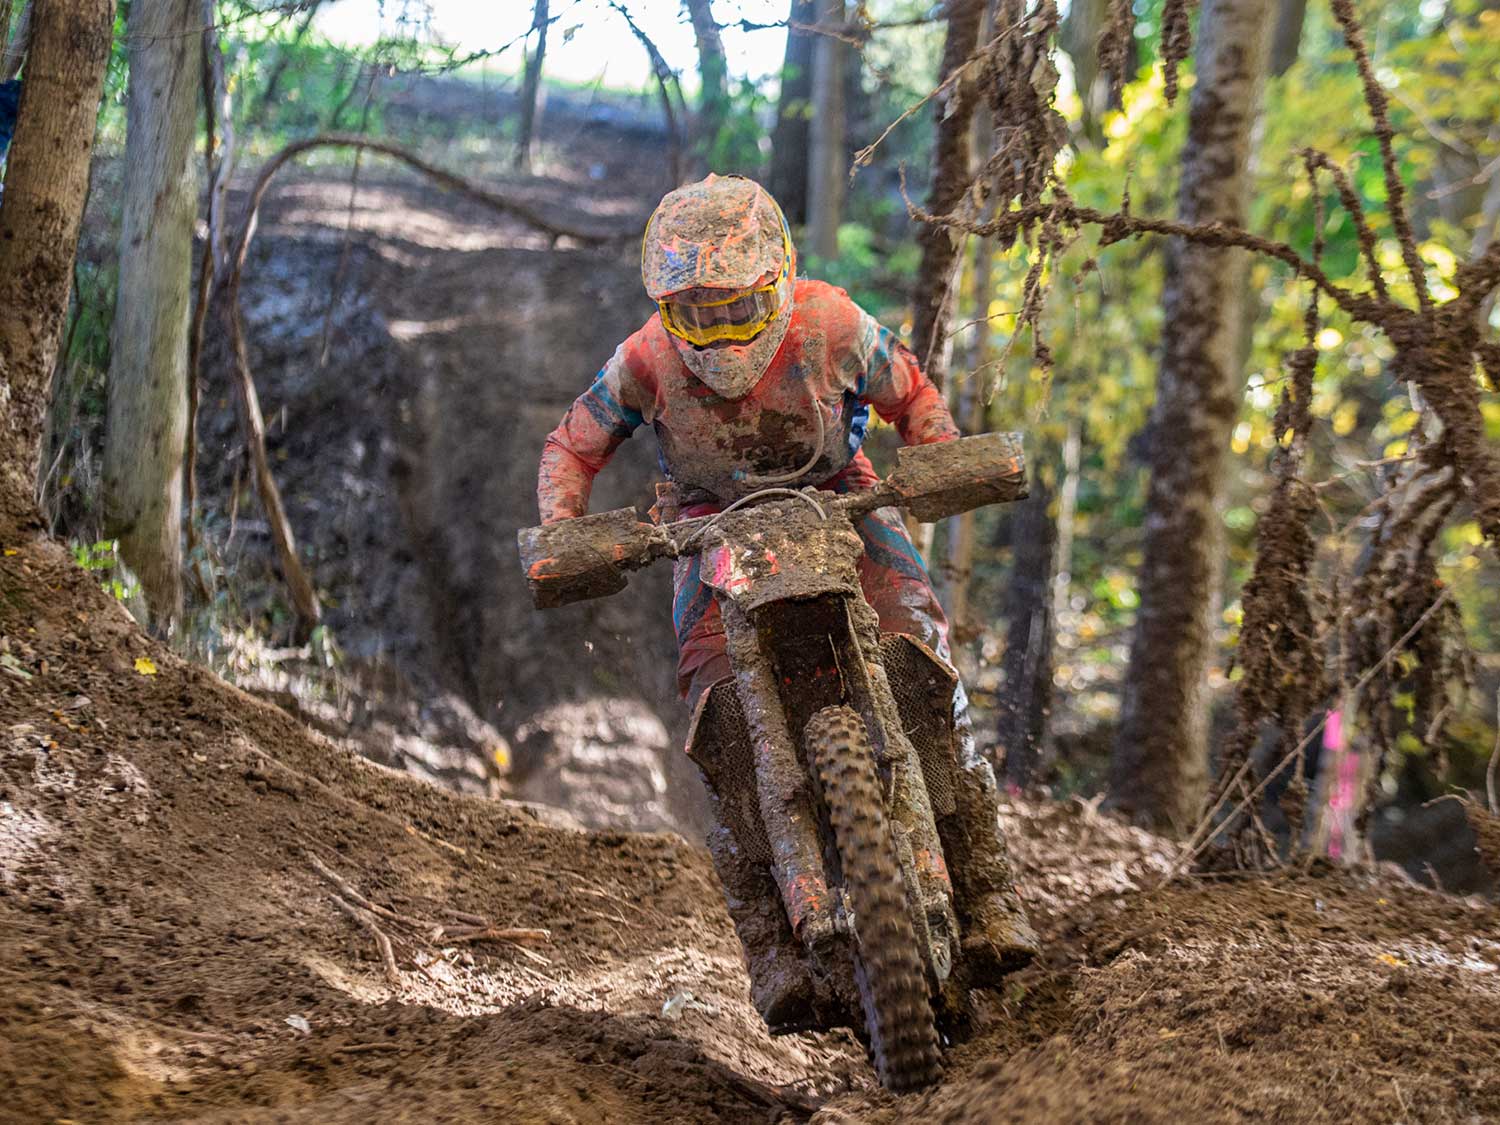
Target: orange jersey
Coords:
[[836, 359]]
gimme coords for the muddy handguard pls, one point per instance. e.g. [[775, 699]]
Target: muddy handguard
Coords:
[[590, 556]]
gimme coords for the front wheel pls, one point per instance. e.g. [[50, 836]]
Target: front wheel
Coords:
[[892, 986]]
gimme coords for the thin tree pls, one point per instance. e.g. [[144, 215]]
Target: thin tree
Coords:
[[713, 76], [147, 414], [1159, 766], [933, 298], [674, 113], [1024, 701], [1286, 41], [40, 214], [1080, 39], [531, 90], [13, 47], [790, 139], [828, 159]]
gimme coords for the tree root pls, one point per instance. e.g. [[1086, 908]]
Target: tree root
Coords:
[[382, 942], [413, 932]]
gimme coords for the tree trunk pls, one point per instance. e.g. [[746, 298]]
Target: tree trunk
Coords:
[[1067, 515], [148, 400], [1286, 42], [789, 140], [932, 303], [1160, 762], [1025, 698], [666, 82], [827, 145], [531, 91], [1085, 21], [40, 214], [713, 75], [966, 398]]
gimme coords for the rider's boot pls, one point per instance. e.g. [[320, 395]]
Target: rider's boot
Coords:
[[781, 987], [998, 939]]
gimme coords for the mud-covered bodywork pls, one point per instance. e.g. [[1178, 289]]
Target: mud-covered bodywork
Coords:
[[802, 643]]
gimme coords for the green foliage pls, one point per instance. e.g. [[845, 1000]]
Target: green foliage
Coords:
[[743, 144], [874, 269], [103, 559], [1103, 319]]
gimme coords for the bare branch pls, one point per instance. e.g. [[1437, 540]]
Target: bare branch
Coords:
[[1395, 190]]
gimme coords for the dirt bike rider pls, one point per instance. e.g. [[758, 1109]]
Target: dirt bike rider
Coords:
[[751, 378]]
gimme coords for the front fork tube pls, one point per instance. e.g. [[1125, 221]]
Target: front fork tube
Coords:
[[786, 796]]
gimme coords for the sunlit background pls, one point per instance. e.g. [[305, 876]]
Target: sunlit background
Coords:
[[590, 42]]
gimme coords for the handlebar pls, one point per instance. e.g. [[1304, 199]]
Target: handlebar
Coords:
[[589, 557]]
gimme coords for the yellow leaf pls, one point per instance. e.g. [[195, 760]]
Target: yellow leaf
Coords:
[[145, 665], [1392, 960], [11, 551]]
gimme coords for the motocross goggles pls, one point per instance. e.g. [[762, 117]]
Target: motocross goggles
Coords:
[[737, 318], [704, 317]]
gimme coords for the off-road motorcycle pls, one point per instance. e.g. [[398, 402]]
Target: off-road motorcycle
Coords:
[[829, 754]]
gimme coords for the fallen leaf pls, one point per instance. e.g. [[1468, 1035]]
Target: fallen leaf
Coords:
[[14, 667], [11, 551], [1392, 960], [145, 665]]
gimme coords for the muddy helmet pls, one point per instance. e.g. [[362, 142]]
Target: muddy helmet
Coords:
[[717, 259]]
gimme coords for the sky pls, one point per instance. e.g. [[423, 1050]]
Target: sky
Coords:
[[589, 39]]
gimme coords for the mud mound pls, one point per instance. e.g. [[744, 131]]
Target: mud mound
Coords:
[[1325, 996], [170, 949]]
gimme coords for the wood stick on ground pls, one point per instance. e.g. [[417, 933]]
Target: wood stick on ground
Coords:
[[530, 955], [304, 598], [352, 894], [494, 934], [383, 943]]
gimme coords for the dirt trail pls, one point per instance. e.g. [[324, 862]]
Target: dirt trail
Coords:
[[169, 952]]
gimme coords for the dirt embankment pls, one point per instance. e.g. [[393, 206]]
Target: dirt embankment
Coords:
[[407, 452], [170, 949]]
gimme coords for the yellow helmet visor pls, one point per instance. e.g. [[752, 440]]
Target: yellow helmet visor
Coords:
[[737, 318]]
